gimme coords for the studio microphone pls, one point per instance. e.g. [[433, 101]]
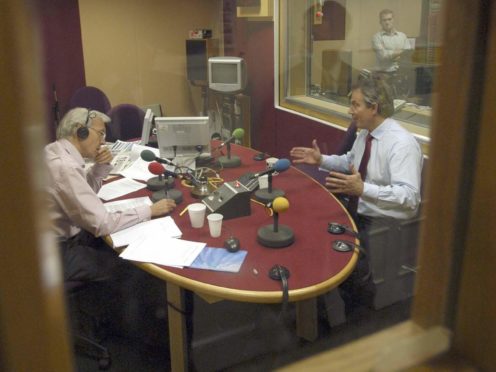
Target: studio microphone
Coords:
[[229, 161], [159, 170], [163, 186], [237, 134], [149, 156], [279, 166], [275, 235], [279, 205]]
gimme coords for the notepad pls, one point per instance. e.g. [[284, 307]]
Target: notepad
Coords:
[[219, 259]]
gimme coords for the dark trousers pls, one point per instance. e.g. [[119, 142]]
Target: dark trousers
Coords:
[[359, 289], [132, 301]]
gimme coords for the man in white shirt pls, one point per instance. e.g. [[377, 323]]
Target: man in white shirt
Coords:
[[77, 213], [391, 187], [389, 44]]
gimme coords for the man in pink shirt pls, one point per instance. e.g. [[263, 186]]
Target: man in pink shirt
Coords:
[[78, 215]]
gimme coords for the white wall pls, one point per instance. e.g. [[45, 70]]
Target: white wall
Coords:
[[135, 50]]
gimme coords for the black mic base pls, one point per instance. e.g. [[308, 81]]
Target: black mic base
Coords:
[[264, 196], [156, 184], [173, 194], [271, 239], [232, 162]]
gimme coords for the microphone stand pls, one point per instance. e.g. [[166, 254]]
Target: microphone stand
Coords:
[[159, 183], [275, 235], [167, 191], [229, 161], [267, 195]]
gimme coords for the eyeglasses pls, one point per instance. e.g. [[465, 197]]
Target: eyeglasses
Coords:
[[101, 133]]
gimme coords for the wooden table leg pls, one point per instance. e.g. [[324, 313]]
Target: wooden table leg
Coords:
[[177, 329], [306, 319]]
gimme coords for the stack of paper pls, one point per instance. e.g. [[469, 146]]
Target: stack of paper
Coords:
[[118, 188], [163, 251], [164, 227], [122, 205]]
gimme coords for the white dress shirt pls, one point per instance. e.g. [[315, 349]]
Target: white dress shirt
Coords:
[[392, 183], [384, 45], [73, 200]]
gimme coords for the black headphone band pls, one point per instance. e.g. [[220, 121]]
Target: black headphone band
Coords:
[[83, 132]]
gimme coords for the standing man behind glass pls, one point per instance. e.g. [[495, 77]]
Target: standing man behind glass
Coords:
[[389, 44]]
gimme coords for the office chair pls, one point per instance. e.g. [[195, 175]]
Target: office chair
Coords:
[[91, 98], [126, 122], [84, 343]]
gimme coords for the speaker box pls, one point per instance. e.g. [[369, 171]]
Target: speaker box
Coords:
[[198, 51]]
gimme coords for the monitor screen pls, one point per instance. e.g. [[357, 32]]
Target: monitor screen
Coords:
[[147, 127], [183, 136], [226, 74]]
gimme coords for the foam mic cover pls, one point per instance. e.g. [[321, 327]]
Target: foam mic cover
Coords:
[[281, 165], [238, 133], [280, 205], [156, 168], [147, 155]]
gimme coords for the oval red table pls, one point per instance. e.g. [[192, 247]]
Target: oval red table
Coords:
[[315, 268]]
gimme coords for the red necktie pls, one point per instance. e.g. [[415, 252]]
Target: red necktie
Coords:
[[353, 203]]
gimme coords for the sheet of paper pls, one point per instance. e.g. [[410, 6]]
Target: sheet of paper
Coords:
[[122, 205], [163, 250], [138, 168], [164, 226], [119, 188], [219, 259]]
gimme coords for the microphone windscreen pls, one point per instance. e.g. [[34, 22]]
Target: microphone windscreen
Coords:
[[156, 168], [238, 133], [147, 155], [280, 204], [281, 165]]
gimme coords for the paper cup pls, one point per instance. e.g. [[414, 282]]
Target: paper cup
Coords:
[[263, 182], [270, 162], [196, 213], [215, 224]]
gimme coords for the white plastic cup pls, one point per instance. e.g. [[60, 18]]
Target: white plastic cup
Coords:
[[263, 182], [196, 213], [215, 224], [270, 162]]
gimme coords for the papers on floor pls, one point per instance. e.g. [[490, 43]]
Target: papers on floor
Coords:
[[122, 205], [163, 251], [219, 259], [162, 228], [118, 188]]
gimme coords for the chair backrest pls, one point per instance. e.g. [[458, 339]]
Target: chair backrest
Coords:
[[91, 98], [126, 122]]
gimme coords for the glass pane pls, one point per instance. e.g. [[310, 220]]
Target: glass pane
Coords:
[[327, 45]]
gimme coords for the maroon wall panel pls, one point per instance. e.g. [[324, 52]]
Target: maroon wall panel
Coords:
[[63, 63], [293, 130], [273, 131]]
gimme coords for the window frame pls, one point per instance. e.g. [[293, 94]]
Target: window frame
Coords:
[[301, 104]]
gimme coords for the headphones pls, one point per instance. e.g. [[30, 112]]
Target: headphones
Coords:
[[83, 132]]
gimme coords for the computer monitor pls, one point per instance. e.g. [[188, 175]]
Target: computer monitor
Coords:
[[147, 127], [226, 74], [183, 136]]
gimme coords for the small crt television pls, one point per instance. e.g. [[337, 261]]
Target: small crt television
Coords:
[[183, 136], [226, 74]]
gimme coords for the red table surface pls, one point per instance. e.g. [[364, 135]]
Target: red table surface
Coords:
[[310, 259]]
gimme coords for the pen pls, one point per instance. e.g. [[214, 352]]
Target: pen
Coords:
[[183, 211]]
